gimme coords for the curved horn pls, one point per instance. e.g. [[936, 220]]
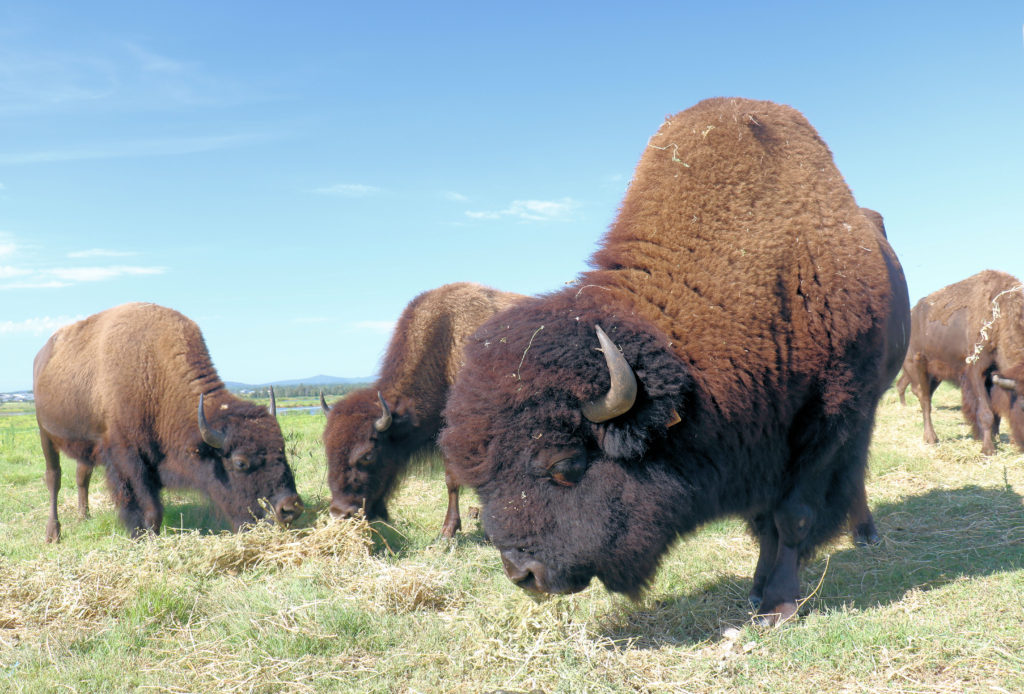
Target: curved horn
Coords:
[[620, 397], [212, 437], [323, 403], [382, 424], [1004, 383], [273, 403]]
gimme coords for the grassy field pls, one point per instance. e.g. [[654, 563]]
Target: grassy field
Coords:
[[938, 606]]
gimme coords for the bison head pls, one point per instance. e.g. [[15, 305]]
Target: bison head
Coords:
[[565, 438], [365, 443], [1007, 397], [245, 449]]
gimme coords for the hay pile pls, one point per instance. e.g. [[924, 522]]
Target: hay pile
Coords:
[[73, 594]]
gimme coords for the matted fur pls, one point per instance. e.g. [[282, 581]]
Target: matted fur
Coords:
[[963, 333], [421, 362], [751, 296], [122, 387]]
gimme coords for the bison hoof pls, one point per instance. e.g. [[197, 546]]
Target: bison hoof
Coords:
[[865, 537], [448, 530], [754, 600], [778, 616], [53, 531]]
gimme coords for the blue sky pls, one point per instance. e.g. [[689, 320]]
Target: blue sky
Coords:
[[291, 175]]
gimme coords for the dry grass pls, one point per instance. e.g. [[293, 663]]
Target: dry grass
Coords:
[[937, 606]]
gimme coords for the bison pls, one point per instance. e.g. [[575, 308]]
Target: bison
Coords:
[[724, 356], [371, 434], [970, 333], [133, 388]]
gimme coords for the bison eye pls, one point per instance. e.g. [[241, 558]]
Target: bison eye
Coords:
[[568, 471], [241, 463], [368, 458]]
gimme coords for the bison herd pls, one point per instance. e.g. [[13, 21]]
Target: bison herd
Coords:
[[724, 356]]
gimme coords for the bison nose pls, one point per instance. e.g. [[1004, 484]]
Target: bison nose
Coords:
[[289, 509], [526, 572], [344, 509]]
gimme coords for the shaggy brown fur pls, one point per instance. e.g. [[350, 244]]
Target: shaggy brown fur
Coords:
[[122, 388], [421, 363], [946, 332], [754, 302]]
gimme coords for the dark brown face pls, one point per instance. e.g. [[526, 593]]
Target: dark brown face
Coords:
[[362, 462], [565, 498], [249, 469]]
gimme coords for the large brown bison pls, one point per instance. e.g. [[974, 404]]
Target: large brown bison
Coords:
[[133, 388], [971, 333], [371, 435], [724, 356]]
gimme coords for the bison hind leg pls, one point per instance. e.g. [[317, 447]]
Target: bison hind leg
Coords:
[[52, 476]]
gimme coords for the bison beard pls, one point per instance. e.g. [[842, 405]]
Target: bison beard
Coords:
[[756, 305]]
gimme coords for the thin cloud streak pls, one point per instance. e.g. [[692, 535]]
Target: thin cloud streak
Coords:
[[44, 325], [101, 253], [380, 327], [348, 190], [97, 274], [133, 149], [531, 210]]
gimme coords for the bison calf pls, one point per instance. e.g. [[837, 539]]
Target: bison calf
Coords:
[[133, 388]]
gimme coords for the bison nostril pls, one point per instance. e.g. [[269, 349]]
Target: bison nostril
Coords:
[[526, 573], [342, 510], [290, 509]]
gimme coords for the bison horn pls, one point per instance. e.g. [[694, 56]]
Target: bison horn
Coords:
[[620, 397], [212, 437], [382, 424], [273, 403], [323, 403], [1004, 383]]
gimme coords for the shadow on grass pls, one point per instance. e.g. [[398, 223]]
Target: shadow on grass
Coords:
[[928, 541]]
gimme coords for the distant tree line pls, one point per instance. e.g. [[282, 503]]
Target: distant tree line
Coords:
[[302, 390]]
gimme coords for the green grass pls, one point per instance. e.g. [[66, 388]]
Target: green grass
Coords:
[[937, 606]]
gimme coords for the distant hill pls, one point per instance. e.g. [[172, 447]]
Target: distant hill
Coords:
[[319, 380]]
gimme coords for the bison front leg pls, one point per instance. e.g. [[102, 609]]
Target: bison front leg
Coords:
[[862, 523], [135, 493], [452, 519], [780, 584], [52, 476]]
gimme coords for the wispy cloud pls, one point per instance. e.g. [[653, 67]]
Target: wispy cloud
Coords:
[[98, 274], [531, 210], [151, 62], [25, 271], [379, 327], [453, 196], [8, 271], [100, 253], [132, 148], [36, 326], [348, 190]]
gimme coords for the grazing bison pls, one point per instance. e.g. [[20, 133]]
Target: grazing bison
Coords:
[[133, 388], [947, 343], [724, 356], [371, 434]]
